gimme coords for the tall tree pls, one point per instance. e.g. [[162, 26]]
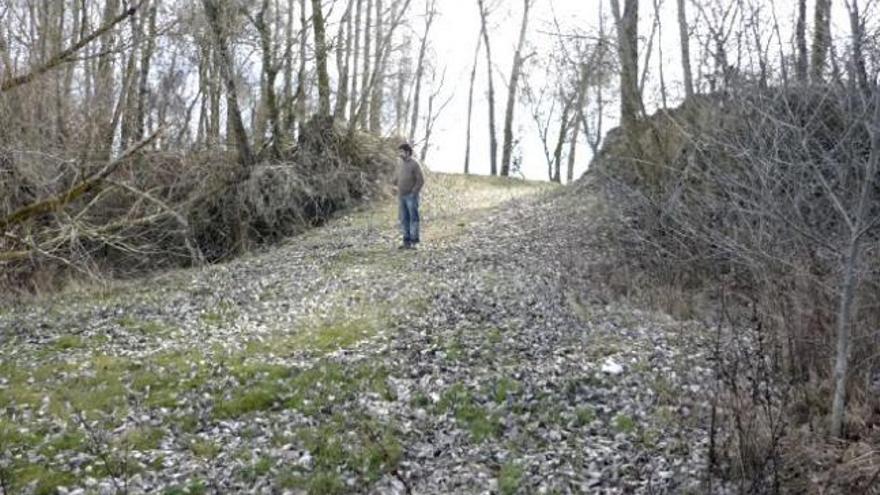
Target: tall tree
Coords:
[[269, 100], [685, 41], [507, 148], [343, 58], [321, 58], [467, 146], [365, 87], [378, 82], [821, 39], [801, 42], [353, 97], [493, 140], [857, 66], [580, 102], [627, 46], [430, 12]]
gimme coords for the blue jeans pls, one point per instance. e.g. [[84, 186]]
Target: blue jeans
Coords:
[[409, 218]]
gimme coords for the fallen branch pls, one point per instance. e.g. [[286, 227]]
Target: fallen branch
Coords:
[[78, 190]]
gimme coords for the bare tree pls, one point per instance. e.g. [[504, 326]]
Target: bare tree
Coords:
[[821, 39], [507, 146], [627, 47], [430, 12], [321, 59], [493, 140], [467, 146], [684, 41], [801, 42]]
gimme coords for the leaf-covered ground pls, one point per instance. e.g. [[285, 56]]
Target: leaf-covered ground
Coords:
[[335, 363]]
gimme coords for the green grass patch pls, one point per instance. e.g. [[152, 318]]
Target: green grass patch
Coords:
[[509, 478], [141, 438], [67, 342], [504, 388], [352, 444], [624, 424], [223, 314], [46, 480], [469, 414], [584, 416]]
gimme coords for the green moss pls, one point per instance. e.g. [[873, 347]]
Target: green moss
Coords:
[[246, 400], [509, 478], [224, 314], [68, 441], [142, 438], [193, 488], [46, 480], [504, 388], [66, 342], [477, 420], [326, 482], [144, 327], [584, 416], [333, 335], [624, 424], [258, 469]]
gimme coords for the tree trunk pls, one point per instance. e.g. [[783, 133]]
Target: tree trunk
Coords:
[[287, 95], [301, 73], [378, 82], [507, 147], [420, 70], [845, 314], [368, 27], [401, 98], [684, 37], [321, 59], [104, 86], [627, 46], [343, 56], [467, 147], [857, 65], [214, 15], [821, 39], [144, 81], [270, 72], [353, 97], [801, 42], [576, 126], [560, 142], [493, 141]]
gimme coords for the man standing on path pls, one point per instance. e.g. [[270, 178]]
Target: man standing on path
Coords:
[[409, 182]]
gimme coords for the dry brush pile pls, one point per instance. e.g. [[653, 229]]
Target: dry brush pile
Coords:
[[765, 203], [150, 209]]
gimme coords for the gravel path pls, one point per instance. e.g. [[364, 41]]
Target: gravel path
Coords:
[[481, 363]]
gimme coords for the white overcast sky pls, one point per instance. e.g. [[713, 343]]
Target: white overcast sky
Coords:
[[453, 39]]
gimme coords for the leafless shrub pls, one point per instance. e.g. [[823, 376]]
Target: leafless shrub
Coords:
[[775, 195], [162, 209]]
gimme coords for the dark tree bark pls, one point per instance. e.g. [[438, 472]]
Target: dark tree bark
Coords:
[[378, 81], [214, 13], [801, 42], [467, 148], [684, 37], [493, 140], [507, 147], [420, 69], [821, 39], [321, 59], [627, 46]]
